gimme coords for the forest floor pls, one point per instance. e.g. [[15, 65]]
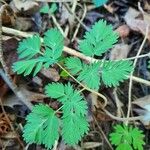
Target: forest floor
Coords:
[[129, 18]]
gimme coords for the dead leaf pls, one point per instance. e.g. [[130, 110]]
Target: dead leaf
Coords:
[[28, 7], [23, 23], [137, 24], [51, 74], [8, 16], [123, 31], [143, 109], [120, 51]]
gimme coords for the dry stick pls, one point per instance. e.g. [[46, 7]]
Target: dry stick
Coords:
[[84, 87], [134, 65], [70, 11], [77, 54], [101, 131], [78, 26], [6, 75]]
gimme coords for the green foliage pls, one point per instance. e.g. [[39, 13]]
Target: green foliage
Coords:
[[98, 40], [99, 3], [115, 71], [42, 126], [46, 9], [30, 50], [127, 138], [110, 72], [90, 75]]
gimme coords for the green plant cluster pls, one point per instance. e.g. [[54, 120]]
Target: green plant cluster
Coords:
[[127, 138], [45, 125]]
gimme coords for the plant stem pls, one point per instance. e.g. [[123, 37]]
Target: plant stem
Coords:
[[88, 89], [59, 109]]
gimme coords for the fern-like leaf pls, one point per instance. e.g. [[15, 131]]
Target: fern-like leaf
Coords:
[[29, 47], [74, 111], [73, 128], [55, 90], [42, 126], [74, 65], [115, 71], [53, 40], [127, 137], [90, 75], [98, 40]]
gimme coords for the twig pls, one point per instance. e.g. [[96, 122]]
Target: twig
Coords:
[[57, 25], [78, 26], [134, 65], [104, 136], [84, 87]]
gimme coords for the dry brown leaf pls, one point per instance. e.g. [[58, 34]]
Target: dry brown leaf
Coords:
[[136, 23], [23, 23], [120, 51], [51, 74], [143, 109], [8, 16], [123, 31]]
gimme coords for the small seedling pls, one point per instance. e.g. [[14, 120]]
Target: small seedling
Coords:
[[127, 138]]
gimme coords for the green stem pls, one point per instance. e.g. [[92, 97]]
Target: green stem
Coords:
[[88, 89], [59, 109]]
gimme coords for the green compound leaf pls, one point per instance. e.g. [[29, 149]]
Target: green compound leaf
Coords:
[[98, 40], [74, 122], [29, 47], [53, 41], [42, 126], [54, 90], [73, 128], [34, 59], [99, 3], [74, 65], [90, 75], [114, 72], [125, 137]]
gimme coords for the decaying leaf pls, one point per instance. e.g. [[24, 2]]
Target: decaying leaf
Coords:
[[29, 7], [137, 24], [143, 109], [120, 51]]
